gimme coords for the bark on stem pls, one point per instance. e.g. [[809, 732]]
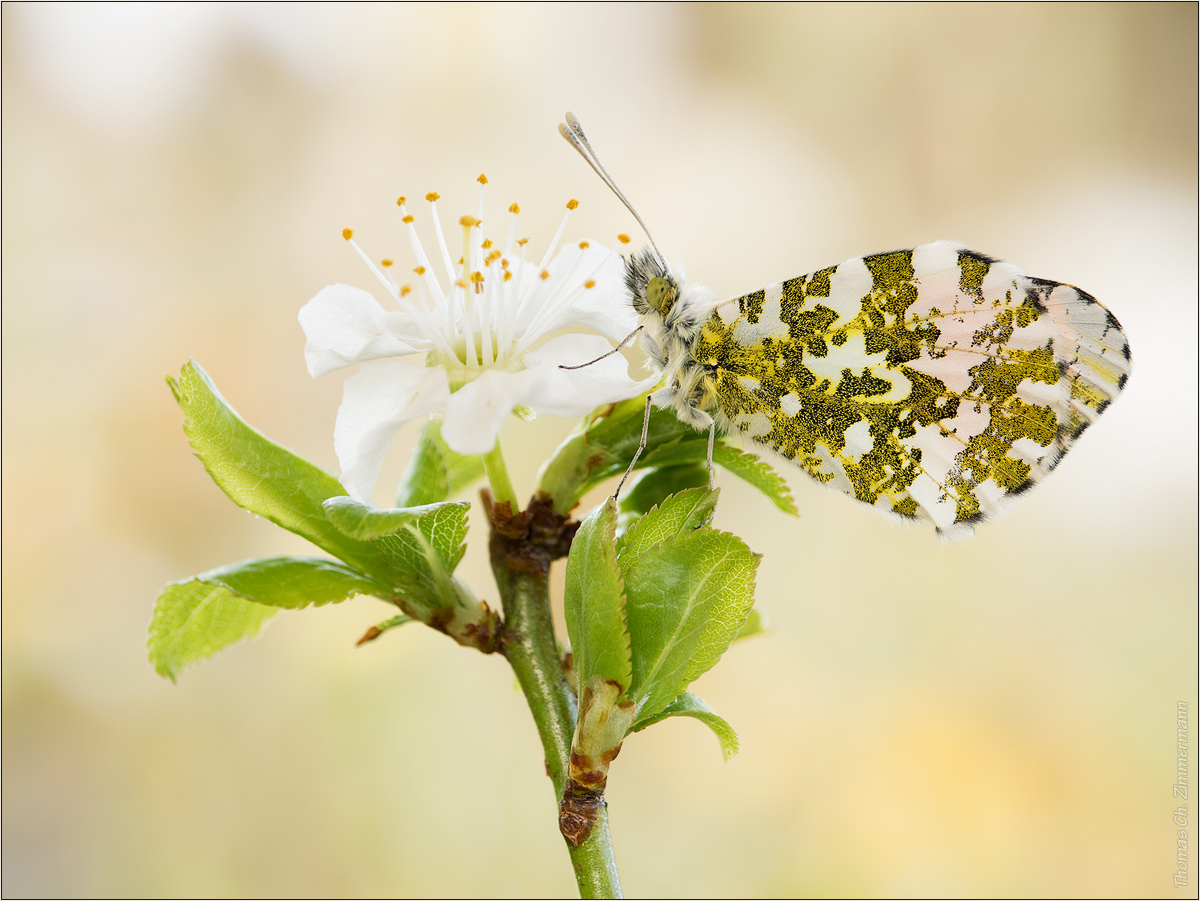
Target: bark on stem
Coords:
[[522, 547]]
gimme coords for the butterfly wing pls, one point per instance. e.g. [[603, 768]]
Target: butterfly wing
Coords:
[[935, 383]]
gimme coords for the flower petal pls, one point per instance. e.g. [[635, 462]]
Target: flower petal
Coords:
[[476, 411], [345, 325], [376, 401], [573, 392]]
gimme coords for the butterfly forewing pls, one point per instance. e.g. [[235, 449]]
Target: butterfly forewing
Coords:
[[932, 383]]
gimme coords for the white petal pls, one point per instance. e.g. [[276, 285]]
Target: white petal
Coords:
[[376, 401], [605, 307], [476, 411], [573, 392], [345, 325]]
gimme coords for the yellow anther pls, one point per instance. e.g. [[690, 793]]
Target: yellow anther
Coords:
[[513, 208], [468, 221], [477, 276], [460, 283], [507, 276], [401, 200], [584, 245], [491, 257], [482, 179], [522, 241], [460, 259], [624, 239], [487, 242], [407, 219], [432, 196], [385, 263], [571, 204], [347, 233], [544, 275], [405, 289], [420, 270], [590, 283], [504, 264]]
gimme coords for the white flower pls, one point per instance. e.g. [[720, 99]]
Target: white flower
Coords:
[[478, 336]]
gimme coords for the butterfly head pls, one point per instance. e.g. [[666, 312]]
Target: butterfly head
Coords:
[[651, 283]]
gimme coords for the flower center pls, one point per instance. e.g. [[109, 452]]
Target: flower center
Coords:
[[495, 303]]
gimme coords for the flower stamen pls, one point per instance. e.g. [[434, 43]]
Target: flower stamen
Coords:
[[533, 286], [468, 326], [433, 198], [441, 302], [419, 316]]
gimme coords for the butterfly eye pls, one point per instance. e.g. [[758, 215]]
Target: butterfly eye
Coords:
[[658, 292]]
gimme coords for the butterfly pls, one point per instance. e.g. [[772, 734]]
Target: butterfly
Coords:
[[935, 384]]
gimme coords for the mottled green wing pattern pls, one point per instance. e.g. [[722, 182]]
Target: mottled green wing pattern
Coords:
[[934, 383]]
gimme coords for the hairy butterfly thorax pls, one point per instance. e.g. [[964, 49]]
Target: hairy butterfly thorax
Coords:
[[672, 314], [934, 384]]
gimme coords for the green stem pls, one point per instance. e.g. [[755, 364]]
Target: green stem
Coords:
[[497, 474], [531, 649]]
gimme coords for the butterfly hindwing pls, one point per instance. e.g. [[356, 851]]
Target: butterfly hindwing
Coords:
[[933, 383]]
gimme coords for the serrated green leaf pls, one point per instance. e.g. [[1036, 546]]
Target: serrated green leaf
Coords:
[[601, 447], [292, 582], [423, 552], [262, 477], [366, 522], [745, 466], [687, 704], [594, 601], [193, 620], [655, 486], [756, 472], [686, 599], [756, 624], [683, 512], [435, 472], [604, 443]]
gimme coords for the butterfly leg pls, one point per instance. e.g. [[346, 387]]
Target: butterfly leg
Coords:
[[712, 437], [638, 453], [624, 341]]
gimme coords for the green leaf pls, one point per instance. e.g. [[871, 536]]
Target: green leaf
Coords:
[[655, 486], [292, 582], [421, 545], [435, 472], [686, 600], [756, 472], [756, 624], [367, 522], [687, 704], [606, 440], [601, 447], [745, 466], [594, 601], [262, 477], [683, 512], [193, 620]]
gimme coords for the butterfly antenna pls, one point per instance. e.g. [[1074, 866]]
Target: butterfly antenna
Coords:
[[573, 132]]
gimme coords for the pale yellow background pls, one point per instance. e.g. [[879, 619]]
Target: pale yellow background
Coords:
[[991, 719]]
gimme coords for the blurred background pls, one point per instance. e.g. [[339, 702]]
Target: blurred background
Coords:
[[175, 180]]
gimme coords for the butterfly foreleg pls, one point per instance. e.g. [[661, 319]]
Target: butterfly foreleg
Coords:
[[624, 341]]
